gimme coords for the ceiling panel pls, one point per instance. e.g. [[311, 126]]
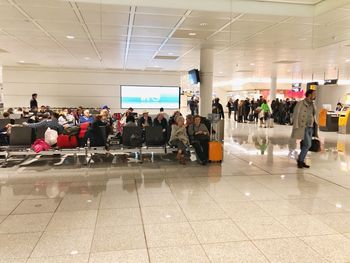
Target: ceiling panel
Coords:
[[203, 23], [150, 32], [147, 40], [160, 11], [42, 3], [215, 15], [9, 13], [265, 18], [107, 32], [105, 8], [52, 14], [106, 18], [156, 21]]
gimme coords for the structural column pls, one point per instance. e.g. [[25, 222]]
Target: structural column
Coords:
[[206, 81], [273, 88]]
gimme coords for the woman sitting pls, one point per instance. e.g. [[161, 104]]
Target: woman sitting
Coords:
[[199, 136], [160, 121], [179, 138]]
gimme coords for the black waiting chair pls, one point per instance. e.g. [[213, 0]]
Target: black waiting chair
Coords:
[[21, 136], [103, 132], [20, 121], [154, 137], [4, 122], [40, 132], [132, 137]]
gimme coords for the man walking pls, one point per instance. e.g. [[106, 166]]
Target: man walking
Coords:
[[304, 125], [33, 102]]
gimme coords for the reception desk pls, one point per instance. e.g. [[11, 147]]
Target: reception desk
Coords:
[[328, 121]]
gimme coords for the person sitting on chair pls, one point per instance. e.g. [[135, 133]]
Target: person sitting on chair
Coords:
[[145, 120], [199, 136], [86, 117], [179, 138]]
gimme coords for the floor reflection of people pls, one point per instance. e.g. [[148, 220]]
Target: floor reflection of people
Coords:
[[261, 143]]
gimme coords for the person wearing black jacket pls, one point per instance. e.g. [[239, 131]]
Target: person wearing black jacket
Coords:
[[229, 106], [218, 109], [160, 121], [235, 108], [33, 102]]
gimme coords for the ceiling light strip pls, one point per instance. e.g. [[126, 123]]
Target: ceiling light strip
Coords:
[[130, 28], [213, 34], [82, 22], [27, 16], [255, 34], [178, 24]]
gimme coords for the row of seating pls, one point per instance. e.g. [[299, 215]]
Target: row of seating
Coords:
[[134, 140], [4, 122]]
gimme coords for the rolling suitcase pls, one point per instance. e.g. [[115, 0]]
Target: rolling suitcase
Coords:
[[215, 151], [216, 145]]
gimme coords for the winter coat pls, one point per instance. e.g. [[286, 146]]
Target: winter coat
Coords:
[[300, 116]]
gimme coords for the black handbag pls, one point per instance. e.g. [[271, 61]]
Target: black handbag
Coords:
[[315, 145]]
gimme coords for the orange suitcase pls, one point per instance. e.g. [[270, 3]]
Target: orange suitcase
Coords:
[[215, 151]]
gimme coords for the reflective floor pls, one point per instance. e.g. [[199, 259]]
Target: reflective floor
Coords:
[[254, 207]]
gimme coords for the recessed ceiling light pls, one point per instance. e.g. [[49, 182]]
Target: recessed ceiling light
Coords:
[[252, 64], [221, 72], [203, 24], [170, 53], [74, 252], [156, 66], [70, 37], [87, 58], [347, 61], [192, 34], [21, 61], [338, 205]]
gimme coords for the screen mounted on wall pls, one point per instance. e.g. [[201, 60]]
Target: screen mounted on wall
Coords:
[[149, 97]]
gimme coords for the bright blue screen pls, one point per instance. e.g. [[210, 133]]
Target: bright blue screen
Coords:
[[150, 97]]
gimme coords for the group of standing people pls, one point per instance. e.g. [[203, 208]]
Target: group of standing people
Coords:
[[249, 110]]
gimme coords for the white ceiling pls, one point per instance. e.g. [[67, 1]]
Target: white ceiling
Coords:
[[125, 37]]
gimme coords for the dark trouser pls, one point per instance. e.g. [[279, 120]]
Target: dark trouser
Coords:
[[235, 114], [307, 141], [193, 112], [202, 149], [229, 114], [179, 144]]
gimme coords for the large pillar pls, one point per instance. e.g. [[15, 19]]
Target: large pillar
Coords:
[[206, 81], [273, 87]]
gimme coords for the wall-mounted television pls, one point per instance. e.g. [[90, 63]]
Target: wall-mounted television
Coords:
[[149, 97], [193, 75], [296, 87], [330, 82]]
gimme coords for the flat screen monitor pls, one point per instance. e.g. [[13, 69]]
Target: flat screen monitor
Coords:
[[149, 97], [193, 75], [296, 87], [330, 82]]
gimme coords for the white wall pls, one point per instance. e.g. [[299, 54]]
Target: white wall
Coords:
[[75, 87]]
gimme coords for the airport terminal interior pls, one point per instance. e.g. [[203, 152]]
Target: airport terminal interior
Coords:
[[185, 131]]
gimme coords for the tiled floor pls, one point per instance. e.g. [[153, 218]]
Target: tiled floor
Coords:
[[254, 207]]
